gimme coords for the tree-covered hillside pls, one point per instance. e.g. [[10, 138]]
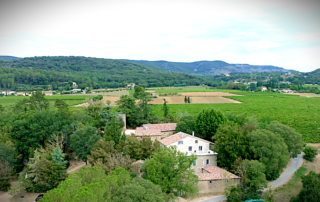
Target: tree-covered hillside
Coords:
[[5, 57], [208, 67], [94, 72]]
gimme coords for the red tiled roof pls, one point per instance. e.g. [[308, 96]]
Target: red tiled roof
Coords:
[[155, 129], [179, 136], [151, 132], [215, 173], [163, 127]]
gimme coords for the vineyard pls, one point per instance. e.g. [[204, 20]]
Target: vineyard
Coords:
[[301, 113]]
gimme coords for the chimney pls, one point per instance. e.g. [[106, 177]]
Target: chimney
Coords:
[[192, 133]]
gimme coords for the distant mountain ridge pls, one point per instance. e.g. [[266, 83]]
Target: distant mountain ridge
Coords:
[[208, 67], [7, 57]]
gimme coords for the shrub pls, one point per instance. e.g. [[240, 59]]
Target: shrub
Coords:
[[309, 153]]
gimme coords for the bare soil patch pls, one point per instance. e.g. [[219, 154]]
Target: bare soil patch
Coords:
[[113, 99], [306, 94], [193, 100], [215, 94]]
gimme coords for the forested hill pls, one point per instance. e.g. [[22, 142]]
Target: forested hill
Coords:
[[5, 57], [93, 72], [208, 67]]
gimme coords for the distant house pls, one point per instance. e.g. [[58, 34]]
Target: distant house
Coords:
[[286, 91], [211, 177], [152, 93], [74, 84], [156, 131], [263, 88], [131, 86], [20, 94], [286, 82], [8, 92], [47, 92], [75, 90]]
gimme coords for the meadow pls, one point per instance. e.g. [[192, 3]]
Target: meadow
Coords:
[[301, 113]]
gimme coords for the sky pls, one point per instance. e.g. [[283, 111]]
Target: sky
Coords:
[[284, 33]]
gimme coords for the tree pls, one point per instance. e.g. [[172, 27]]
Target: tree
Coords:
[[186, 124], [58, 157], [171, 170], [185, 99], [138, 92], [207, 123], [309, 153], [38, 101], [113, 131], [108, 102], [271, 150], [33, 129], [292, 138], [165, 110], [189, 100], [83, 140], [7, 154], [139, 190], [113, 161], [1, 108], [43, 173], [127, 106], [6, 174], [310, 191], [231, 142], [62, 106], [253, 86]]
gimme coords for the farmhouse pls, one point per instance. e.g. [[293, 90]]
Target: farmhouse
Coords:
[[76, 90], [20, 94], [47, 92], [211, 177], [286, 91], [152, 93], [156, 131], [263, 88], [8, 92]]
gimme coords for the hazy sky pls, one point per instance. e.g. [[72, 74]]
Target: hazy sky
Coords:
[[283, 33]]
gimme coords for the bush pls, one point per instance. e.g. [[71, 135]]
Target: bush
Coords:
[[309, 153]]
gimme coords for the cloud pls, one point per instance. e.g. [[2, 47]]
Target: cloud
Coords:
[[254, 32]]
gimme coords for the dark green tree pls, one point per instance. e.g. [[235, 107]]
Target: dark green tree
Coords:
[[83, 140], [38, 101], [310, 191], [292, 138], [309, 153], [165, 110], [207, 123], [186, 124], [113, 130], [271, 150], [139, 190], [127, 106], [138, 92]]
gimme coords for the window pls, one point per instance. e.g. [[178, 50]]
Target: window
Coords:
[[190, 148], [180, 142], [200, 148], [194, 162], [210, 181], [196, 141], [207, 162]]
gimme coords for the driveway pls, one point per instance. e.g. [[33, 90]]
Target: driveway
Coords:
[[285, 177]]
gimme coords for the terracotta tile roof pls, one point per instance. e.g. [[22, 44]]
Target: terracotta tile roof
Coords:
[[155, 129], [163, 127], [215, 173], [179, 136], [151, 132]]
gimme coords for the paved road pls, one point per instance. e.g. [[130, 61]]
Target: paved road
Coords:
[[295, 164]]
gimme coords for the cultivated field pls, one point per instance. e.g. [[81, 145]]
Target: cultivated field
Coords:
[[214, 94], [301, 113], [193, 100], [306, 94], [71, 100]]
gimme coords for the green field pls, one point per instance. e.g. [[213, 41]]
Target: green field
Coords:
[[301, 113], [71, 100]]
